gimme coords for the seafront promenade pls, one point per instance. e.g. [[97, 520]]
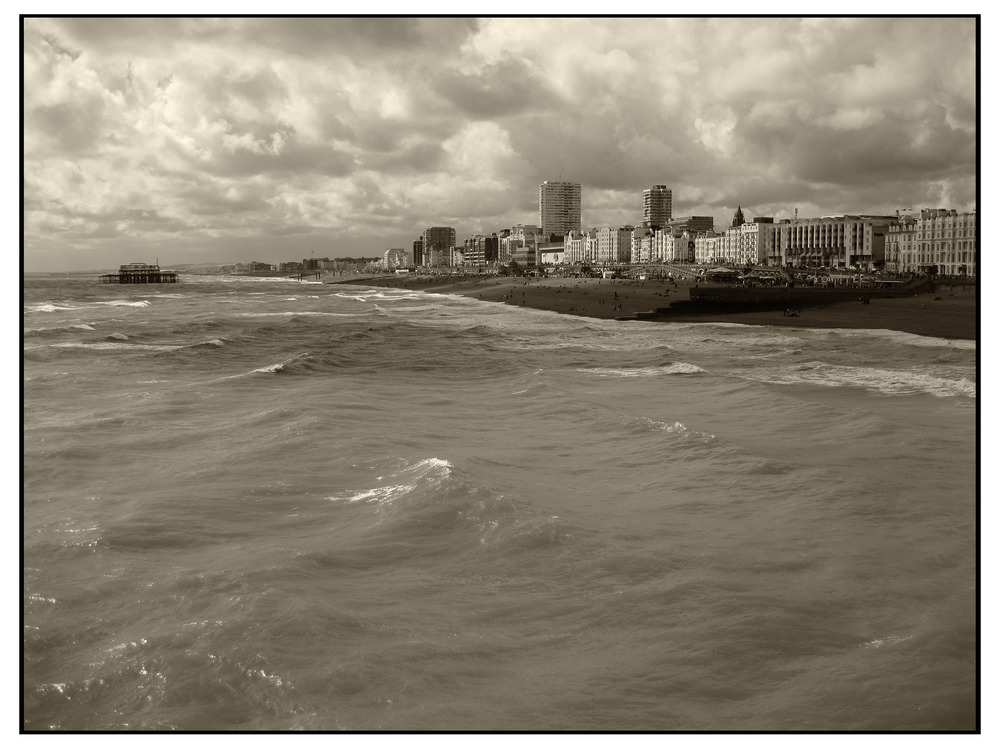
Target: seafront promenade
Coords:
[[945, 312]]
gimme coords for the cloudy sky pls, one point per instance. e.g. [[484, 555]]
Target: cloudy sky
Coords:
[[222, 140]]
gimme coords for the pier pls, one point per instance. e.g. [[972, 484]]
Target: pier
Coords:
[[140, 273]]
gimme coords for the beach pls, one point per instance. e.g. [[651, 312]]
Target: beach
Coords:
[[948, 312]]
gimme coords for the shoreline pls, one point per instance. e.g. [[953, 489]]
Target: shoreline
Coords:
[[949, 312]]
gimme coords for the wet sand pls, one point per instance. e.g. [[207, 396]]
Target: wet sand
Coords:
[[949, 312]]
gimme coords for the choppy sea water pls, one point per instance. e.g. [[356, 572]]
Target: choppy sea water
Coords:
[[270, 505]]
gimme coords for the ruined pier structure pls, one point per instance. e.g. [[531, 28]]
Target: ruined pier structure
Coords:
[[140, 273]]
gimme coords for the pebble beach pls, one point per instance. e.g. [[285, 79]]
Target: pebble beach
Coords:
[[948, 312]]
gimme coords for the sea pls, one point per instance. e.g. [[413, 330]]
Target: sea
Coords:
[[256, 504]]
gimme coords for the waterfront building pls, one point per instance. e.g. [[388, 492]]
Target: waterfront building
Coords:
[[418, 252], [590, 246], [706, 247], [657, 205], [524, 255], [683, 247], [574, 247], [744, 242], [314, 263], [614, 245], [396, 258], [481, 250], [437, 244], [643, 245], [517, 238], [668, 246], [551, 255], [941, 241], [900, 245], [830, 241], [662, 245], [558, 208], [503, 247]]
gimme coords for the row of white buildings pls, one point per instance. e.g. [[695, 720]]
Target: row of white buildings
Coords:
[[938, 238], [941, 241]]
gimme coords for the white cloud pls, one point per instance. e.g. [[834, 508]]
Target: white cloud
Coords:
[[169, 130]]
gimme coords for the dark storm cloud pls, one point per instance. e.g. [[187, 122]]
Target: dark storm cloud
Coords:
[[377, 37], [422, 157], [72, 127], [502, 89]]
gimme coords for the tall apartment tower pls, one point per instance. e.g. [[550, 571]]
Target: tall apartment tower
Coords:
[[558, 208], [438, 241], [657, 205]]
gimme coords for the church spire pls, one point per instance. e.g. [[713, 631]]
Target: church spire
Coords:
[[738, 219]]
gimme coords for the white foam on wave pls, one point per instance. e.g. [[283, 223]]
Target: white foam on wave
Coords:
[[586, 342], [677, 428], [407, 296], [750, 335], [297, 313], [907, 339], [50, 308], [890, 640], [415, 308], [85, 327], [668, 369], [379, 494], [230, 279], [681, 368], [111, 346], [385, 494], [123, 303], [280, 366], [885, 381]]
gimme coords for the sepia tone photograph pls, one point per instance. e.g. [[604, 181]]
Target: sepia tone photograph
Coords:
[[452, 374]]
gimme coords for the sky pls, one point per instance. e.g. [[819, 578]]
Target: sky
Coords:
[[218, 140]]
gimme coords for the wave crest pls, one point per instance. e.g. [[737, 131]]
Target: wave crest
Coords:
[[884, 381], [664, 369]]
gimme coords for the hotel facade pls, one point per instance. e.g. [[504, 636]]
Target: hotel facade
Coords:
[[937, 240], [831, 241]]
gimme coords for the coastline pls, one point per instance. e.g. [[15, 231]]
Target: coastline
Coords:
[[949, 312]]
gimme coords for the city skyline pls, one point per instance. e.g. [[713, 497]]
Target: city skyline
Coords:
[[216, 140]]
